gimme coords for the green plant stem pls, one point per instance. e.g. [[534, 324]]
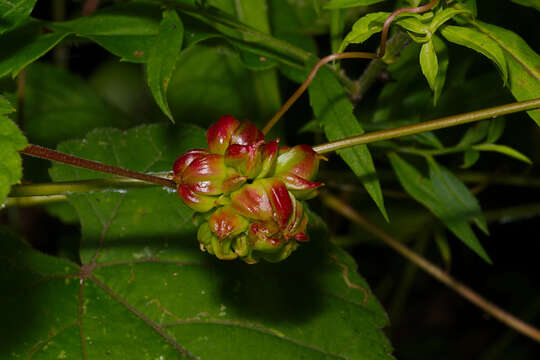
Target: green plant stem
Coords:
[[73, 187], [33, 200], [463, 290], [428, 125]]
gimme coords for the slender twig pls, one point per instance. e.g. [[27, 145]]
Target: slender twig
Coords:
[[347, 55], [44, 153], [74, 187], [428, 125], [305, 84], [392, 16], [433, 270]]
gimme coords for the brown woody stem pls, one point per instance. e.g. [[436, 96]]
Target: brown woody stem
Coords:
[[433, 270], [44, 153]]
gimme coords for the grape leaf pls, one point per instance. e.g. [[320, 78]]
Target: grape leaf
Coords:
[[11, 140], [335, 112], [432, 196], [162, 59], [146, 288], [60, 105], [13, 12]]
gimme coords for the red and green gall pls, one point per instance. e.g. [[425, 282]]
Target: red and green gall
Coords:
[[248, 191]]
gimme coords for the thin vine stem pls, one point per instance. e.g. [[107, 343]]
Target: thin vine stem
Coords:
[[441, 123], [463, 290], [49, 154], [392, 16], [309, 79], [347, 55]]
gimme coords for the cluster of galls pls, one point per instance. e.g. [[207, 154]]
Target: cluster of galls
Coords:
[[248, 192]]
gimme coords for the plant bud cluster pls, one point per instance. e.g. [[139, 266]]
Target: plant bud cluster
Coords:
[[248, 192]]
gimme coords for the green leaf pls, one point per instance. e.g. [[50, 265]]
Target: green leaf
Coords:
[[503, 149], [443, 16], [479, 42], [428, 63], [363, 28], [126, 30], [474, 134], [523, 63], [442, 55], [451, 191], [413, 23], [25, 45], [530, 3], [496, 129], [335, 112], [60, 105], [152, 291], [470, 5], [428, 138], [14, 12], [470, 157], [433, 197], [11, 140], [5, 106], [341, 4], [162, 58]]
